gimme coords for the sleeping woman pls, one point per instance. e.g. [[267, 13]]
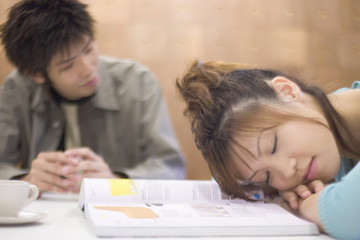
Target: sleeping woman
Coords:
[[265, 128]]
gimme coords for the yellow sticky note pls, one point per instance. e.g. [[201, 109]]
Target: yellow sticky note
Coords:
[[119, 187]]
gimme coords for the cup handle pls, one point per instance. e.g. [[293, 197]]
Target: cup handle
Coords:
[[34, 193]]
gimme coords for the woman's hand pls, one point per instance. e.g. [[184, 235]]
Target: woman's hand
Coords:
[[302, 201], [294, 195]]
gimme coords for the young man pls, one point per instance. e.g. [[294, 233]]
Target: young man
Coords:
[[67, 113]]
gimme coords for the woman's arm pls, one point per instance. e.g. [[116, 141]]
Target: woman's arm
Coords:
[[302, 201], [308, 209], [336, 208]]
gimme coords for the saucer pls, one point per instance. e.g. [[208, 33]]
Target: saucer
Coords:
[[23, 217]]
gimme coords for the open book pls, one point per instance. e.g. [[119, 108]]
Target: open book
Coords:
[[180, 208]]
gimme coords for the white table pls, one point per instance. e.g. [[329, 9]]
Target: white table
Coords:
[[66, 221]]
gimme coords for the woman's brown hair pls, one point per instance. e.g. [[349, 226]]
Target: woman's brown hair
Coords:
[[224, 100]]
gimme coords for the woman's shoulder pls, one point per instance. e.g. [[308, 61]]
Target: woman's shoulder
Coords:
[[347, 103], [349, 96]]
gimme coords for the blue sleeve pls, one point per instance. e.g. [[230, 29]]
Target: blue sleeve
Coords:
[[355, 85], [339, 206]]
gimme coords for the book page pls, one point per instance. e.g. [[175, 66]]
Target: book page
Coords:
[[124, 207], [127, 190], [177, 219]]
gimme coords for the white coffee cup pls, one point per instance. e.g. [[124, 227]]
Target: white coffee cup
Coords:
[[16, 195]]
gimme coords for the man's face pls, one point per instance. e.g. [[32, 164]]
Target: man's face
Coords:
[[74, 74]]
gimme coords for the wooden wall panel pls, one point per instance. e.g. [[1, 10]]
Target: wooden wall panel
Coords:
[[318, 41]]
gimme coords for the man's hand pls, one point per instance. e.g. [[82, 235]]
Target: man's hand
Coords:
[[300, 192], [91, 165], [53, 171]]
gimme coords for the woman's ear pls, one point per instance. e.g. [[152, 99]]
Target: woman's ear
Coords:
[[286, 89], [38, 78]]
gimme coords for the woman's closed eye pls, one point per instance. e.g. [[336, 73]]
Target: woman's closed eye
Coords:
[[275, 144], [273, 151], [267, 177]]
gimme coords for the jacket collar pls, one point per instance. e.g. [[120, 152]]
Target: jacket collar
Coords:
[[105, 97]]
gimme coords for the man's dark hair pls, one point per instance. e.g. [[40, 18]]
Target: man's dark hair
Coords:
[[36, 30]]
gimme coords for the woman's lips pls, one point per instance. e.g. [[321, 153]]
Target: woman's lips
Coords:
[[312, 170]]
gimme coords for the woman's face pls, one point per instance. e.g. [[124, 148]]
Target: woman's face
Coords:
[[290, 154]]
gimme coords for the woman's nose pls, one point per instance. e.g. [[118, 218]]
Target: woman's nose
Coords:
[[286, 166]]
